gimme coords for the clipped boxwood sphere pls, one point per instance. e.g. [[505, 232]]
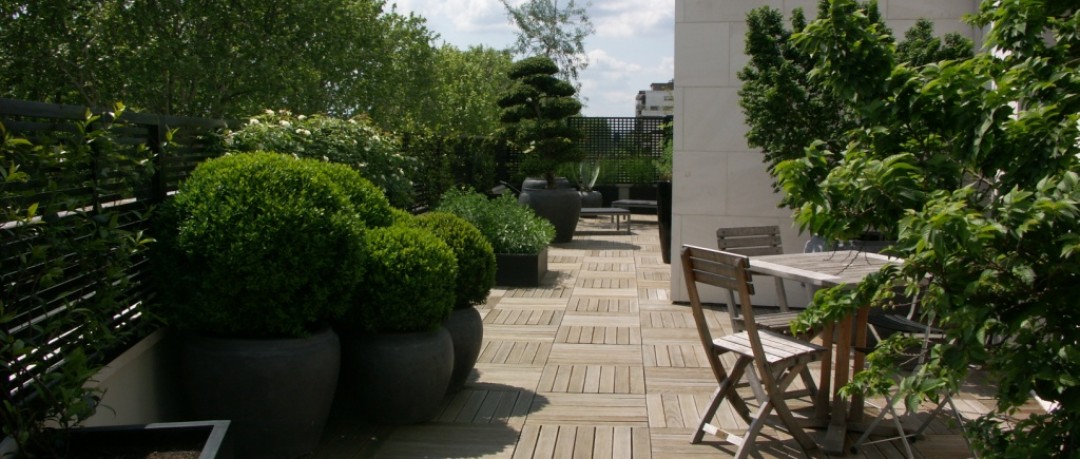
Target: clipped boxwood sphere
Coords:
[[258, 245], [408, 281], [475, 258], [371, 204]]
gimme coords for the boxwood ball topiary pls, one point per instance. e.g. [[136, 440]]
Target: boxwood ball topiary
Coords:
[[258, 245], [371, 204], [408, 281], [475, 257]]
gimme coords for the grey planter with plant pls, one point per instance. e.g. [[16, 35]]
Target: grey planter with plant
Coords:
[[534, 113], [263, 248], [476, 275], [398, 358], [517, 235]]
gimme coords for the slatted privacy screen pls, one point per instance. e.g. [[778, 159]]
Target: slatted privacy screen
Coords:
[[77, 262], [625, 147]]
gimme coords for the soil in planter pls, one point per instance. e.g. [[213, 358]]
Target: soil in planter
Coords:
[[186, 444]]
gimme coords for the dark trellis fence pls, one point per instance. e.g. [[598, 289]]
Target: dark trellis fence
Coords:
[[65, 275], [625, 147]]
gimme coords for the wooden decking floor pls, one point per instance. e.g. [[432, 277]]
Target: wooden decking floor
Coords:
[[596, 363]]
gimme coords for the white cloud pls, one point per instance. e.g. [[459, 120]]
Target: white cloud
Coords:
[[462, 15], [632, 18]]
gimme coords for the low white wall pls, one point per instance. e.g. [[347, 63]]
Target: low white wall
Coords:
[[141, 385]]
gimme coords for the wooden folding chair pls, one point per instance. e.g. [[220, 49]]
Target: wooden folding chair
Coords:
[[753, 241], [777, 358]]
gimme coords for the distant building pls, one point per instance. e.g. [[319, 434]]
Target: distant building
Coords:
[[659, 100]]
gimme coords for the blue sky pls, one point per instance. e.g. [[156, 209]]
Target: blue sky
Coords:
[[634, 43]]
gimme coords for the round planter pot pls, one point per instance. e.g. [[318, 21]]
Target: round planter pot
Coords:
[[466, 329], [538, 183], [398, 378], [561, 207], [276, 392], [591, 199]]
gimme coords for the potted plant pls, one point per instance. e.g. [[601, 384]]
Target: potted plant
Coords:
[[398, 358], [256, 253], [517, 235], [587, 173], [534, 116], [476, 276]]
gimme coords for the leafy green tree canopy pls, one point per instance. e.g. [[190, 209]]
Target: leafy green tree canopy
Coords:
[[973, 165]]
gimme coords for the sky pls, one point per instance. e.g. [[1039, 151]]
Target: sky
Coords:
[[633, 46]]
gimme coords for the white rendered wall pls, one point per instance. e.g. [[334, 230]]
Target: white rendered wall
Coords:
[[717, 179]]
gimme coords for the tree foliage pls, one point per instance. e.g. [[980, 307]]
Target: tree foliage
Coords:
[[545, 29], [787, 109], [973, 165], [221, 59], [534, 113]]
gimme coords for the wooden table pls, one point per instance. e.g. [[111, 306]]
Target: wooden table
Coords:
[[827, 269]]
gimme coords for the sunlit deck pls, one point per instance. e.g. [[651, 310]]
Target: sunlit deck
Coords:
[[597, 363]]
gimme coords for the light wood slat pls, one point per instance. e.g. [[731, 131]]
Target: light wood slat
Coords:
[[604, 442], [602, 305], [562, 353], [583, 444]]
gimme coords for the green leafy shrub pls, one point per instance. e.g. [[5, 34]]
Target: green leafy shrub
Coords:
[[408, 281], [356, 142], [509, 227], [475, 257], [259, 245]]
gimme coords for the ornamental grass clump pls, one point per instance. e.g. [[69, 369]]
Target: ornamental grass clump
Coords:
[[475, 257], [511, 228], [407, 284], [261, 245]]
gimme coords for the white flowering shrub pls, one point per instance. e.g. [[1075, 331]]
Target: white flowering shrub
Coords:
[[357, 142]]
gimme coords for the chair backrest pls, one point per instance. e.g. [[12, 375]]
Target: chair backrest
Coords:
[[725, 270], [750, 240]]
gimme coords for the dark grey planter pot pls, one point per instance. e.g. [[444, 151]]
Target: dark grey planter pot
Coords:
[[591, 199], [663, 217], [398, 378], [538, 183], [520, 270], [466, 329], [278, 393], [561, 207]]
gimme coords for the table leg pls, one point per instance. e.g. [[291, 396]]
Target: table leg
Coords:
[[821, 403], [861, 318], [834, 438]]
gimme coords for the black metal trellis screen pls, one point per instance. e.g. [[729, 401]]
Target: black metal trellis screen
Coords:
[[625, 147]]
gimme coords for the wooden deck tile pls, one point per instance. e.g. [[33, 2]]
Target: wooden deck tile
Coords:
[[514, 352], [594, 379], [584, 442], [588, 334], [451, 440], [494, 376], [605, 282], [602, 304], [589, 409], [607, 266], [520, 332], [482, 406], [595, 353], [608, 292], [523, 316], [671, 379], [674, 355]]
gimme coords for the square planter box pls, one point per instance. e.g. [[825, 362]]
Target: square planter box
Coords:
[[516, 270], [208, 438]]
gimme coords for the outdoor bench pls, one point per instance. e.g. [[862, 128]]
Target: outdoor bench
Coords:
[[617, 214]]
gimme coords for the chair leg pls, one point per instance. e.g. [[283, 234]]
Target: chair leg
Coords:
[[784, 412], [725, 390]]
